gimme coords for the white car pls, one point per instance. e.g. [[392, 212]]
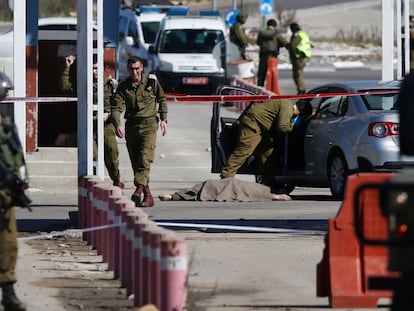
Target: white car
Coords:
[[49, 29], [137, 30], [45, 25]]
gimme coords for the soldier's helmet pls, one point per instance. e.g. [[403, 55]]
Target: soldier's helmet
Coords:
[[242, 17], [5, 85]]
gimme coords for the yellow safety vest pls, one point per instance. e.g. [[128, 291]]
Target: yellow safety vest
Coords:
[[305, 45]]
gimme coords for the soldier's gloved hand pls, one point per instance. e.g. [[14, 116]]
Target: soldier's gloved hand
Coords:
[[297, 121]]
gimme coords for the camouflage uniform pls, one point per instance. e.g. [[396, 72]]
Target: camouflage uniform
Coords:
[[13, 158], [258, 127], [238, 35], [140, 105], [111, 151]]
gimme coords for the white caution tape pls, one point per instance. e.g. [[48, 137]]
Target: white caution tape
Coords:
[[66, 232], [227, 227], [128, 233]]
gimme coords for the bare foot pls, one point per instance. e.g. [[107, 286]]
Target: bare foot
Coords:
[[165, 197], [281, 197]]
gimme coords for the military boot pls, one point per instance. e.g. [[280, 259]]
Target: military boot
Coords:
[[10, 302], [148, 199], [136, 196]]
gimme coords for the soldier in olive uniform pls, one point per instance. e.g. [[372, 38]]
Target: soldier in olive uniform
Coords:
[[12, 158], [111, 152], [269, 40], [257, 130], [238, 34], [138, 95]]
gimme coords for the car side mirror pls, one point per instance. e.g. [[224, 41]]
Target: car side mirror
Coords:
[[129, 41], [151, 49]]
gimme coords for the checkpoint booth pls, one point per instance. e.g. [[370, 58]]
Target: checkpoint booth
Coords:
[[56, 118]]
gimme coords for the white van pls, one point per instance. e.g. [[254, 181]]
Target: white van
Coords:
[[189, 54], [137, 30]]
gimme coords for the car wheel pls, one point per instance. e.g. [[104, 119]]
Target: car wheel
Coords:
[[338, 172]]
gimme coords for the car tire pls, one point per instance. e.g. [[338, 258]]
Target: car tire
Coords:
[[338, 173]]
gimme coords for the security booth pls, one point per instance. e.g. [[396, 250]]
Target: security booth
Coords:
[[57, 121]]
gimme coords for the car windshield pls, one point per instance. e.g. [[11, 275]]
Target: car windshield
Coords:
[[149, 30], [381, 101], [190, 40]]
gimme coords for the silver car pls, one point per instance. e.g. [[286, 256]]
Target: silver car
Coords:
[[354, 128]]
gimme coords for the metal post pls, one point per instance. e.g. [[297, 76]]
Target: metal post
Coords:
[[85, 94], [387, 40], [407, 39], [401, 37], [19, 67], [100, 125]]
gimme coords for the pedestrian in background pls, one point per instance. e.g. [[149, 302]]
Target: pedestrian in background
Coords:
[[12, 159], [270, 41], [300, 52], [139, 95], [238, 34], [111, 151], [258, 128]]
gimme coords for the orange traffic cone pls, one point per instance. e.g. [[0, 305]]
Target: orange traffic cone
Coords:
[[272, 78]]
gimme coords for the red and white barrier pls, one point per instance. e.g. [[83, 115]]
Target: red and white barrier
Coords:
[[140, 261], [174, 267], [156, 235], [133, 246], [127, 263], [89, 208], [109, 238], [119, 233]]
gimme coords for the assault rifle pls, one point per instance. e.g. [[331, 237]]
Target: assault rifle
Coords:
[[16, 185]]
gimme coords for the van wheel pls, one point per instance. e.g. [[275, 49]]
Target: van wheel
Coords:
[[338, 172]]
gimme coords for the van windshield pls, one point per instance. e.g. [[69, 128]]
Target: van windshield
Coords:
[[150, 29], [190, 40]]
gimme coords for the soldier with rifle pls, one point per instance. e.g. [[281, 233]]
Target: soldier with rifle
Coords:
[[13, 192]]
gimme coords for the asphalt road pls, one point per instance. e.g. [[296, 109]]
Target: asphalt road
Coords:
[[228, 270]]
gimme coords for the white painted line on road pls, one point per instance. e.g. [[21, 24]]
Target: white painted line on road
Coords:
[[171, 224]]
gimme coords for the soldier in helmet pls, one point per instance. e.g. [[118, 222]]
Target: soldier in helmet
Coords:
[[11, 158], [238, 34]]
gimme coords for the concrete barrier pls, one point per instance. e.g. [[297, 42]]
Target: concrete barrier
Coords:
[[149, 261]]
